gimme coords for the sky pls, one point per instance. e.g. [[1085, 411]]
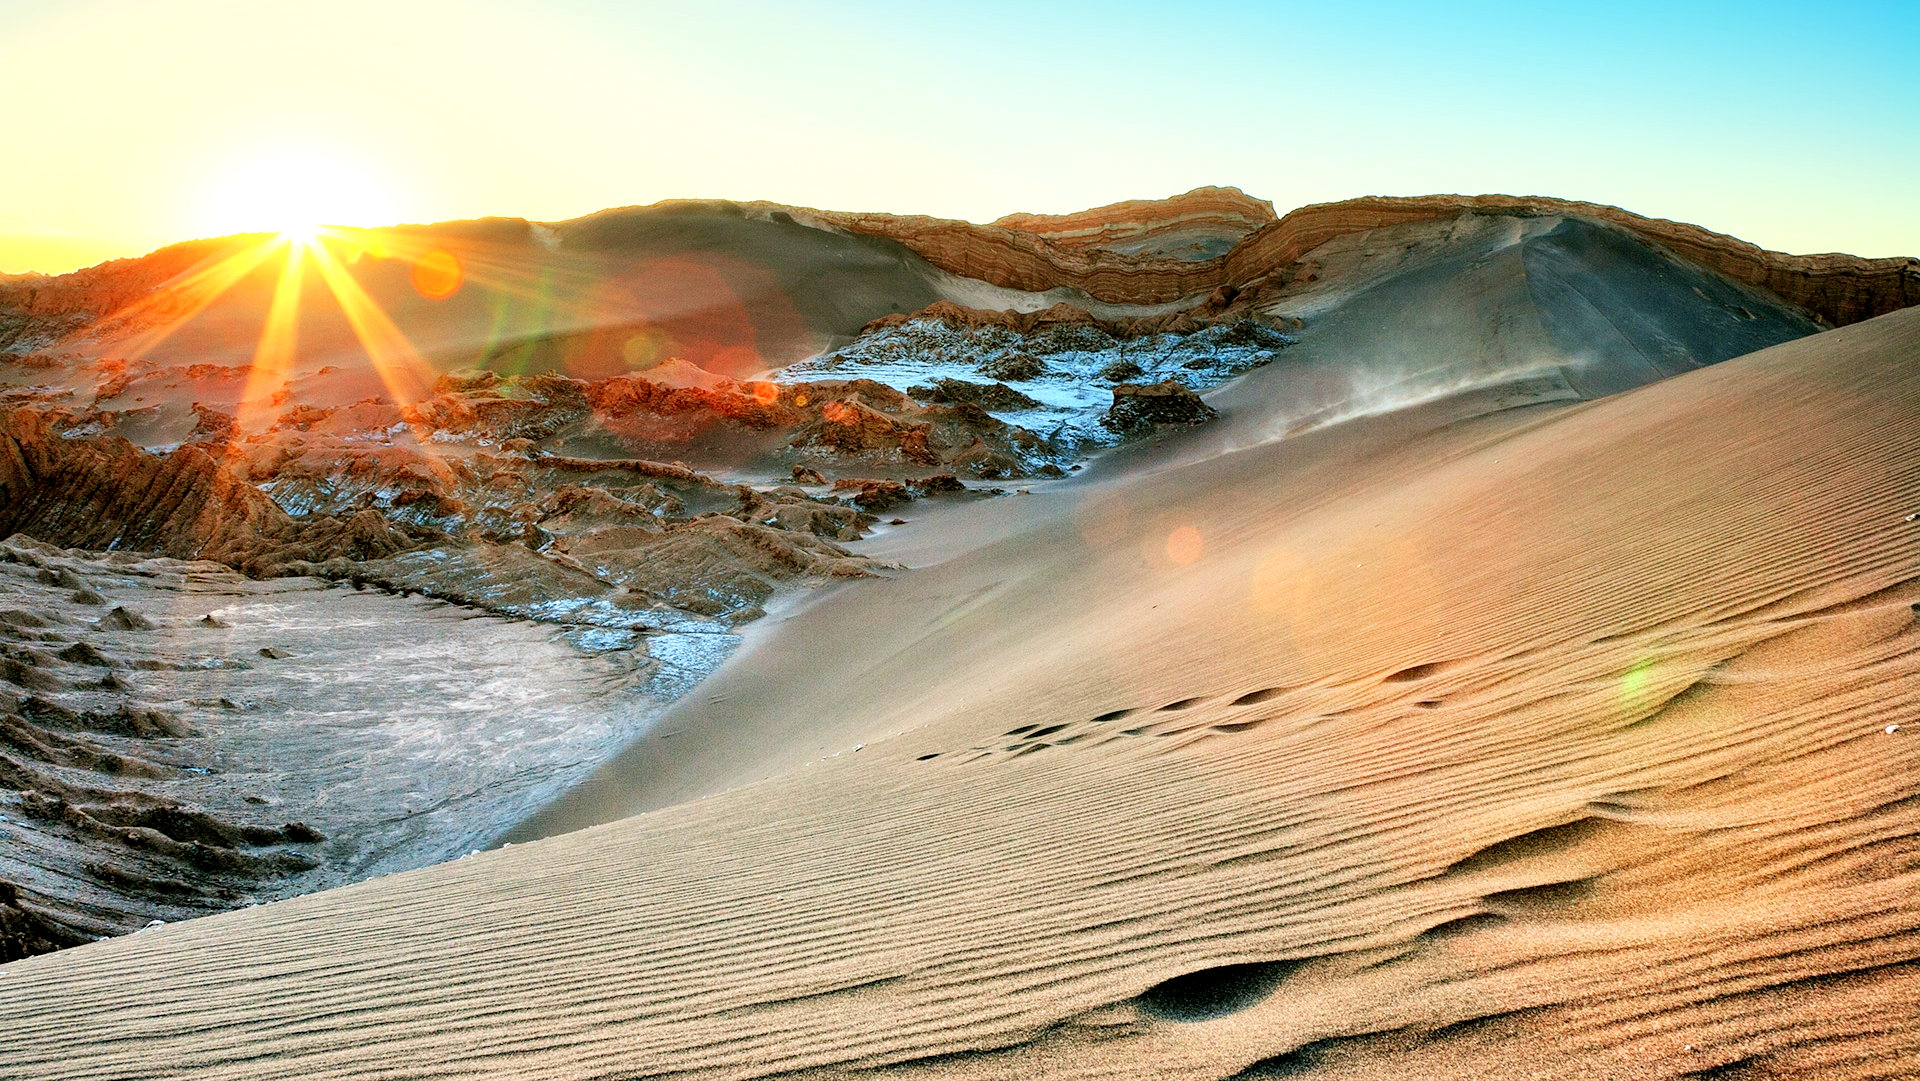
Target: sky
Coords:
[[135, 123]]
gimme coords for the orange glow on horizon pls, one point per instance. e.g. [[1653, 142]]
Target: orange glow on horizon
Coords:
[[405, 375], [173, 305]]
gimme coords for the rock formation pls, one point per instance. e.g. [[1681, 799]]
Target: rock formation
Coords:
[[85, 760], [1203, 223], [41, 306], [738, 286], [1139, 406], [108, 494], [990, 396], [1839, 289]]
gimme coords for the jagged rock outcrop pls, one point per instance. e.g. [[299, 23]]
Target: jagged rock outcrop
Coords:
[[717, 565], [1139, 406], [874, 495], [100, 836], [116, 283], [1200, 224], [107, 494], [989, 396], [824, 421]]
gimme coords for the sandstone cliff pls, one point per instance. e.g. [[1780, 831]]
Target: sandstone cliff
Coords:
[[1203, 223], [1837, 288]]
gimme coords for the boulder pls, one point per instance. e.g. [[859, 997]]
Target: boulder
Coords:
[[1138, 407], [989, 396], [1014, 365], [874, 495]]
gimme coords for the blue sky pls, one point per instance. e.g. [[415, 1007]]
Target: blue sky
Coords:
[[1795, 126]]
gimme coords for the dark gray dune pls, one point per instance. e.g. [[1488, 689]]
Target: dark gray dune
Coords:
[[1523, 310], [1610, 296]]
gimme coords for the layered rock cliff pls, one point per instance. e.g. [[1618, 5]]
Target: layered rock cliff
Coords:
[[1201, 224], [1839, 289]]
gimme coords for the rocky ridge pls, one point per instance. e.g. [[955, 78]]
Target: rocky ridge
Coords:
[[625, 543], [1840, 289], [106, 493], [1156, 257], [37, 310], [1200, 224]]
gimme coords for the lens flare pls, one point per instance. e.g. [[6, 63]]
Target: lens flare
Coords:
[[174, 304], [1635, 692], [1184, 545], [405, 375], [437, 275], [641, 351]]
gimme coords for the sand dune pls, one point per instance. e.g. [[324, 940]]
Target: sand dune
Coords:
[[1544, 308], [1543, 743]]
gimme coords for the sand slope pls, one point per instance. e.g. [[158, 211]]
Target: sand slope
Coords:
[[1550, 308], [1542, 744]]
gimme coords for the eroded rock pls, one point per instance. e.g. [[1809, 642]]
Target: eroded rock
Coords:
[[1140, 406]]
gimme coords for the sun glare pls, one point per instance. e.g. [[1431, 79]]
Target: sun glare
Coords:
[[294, 193], [312, 210]]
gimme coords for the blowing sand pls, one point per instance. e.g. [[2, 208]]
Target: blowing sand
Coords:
[[1549, 743]]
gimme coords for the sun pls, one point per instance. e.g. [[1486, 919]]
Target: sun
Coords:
[[295, 192]]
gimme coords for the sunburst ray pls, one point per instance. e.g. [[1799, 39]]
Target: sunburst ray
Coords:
[[188, 294], [407, 376], [279, 339]]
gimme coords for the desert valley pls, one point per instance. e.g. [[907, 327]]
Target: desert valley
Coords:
[[1444, 636]]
